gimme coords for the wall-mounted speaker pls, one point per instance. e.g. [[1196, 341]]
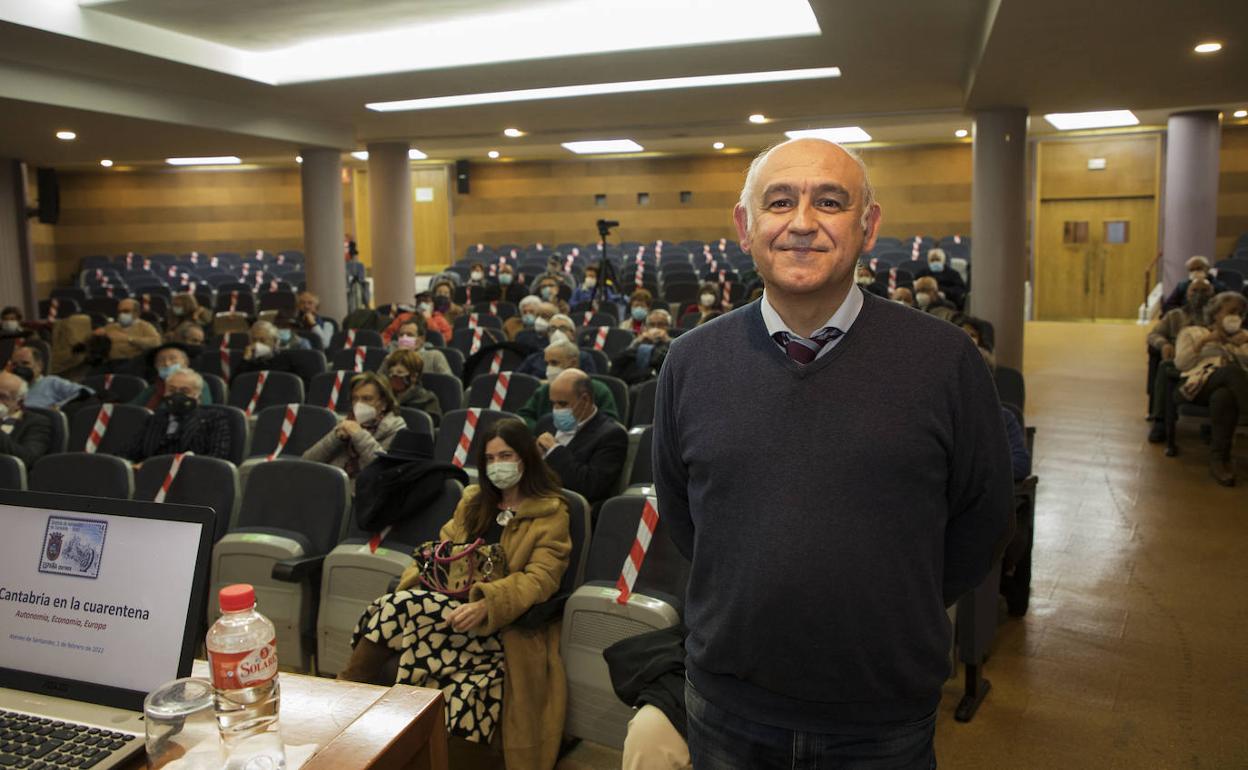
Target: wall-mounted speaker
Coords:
[[49, 196], [461, 177]]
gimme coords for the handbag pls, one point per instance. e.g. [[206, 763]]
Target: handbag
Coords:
[[453, 568]]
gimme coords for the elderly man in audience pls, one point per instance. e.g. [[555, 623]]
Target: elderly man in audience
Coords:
[[191, 335], [562, 329], [411, 336], [181, 424], [1213, 360], [1161, 342], [948, 279], [47, 391], [510, 290], [524, 320], [643, 358], [903, 295], [538, 336], [11, 323], [927, 297], [560, 357], [581, 443], [129, 335], [403, 369], [356, 440], [265, 352], [308, 319], [166, 360], [1197, 269], [23, 434], [547, 288]]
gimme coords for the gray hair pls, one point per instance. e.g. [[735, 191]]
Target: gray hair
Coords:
[[265, 328], [566, 350], [937, 252], [661, 313], [562, 318], [748, 189], [195, 376], [1222, 299], [531, 299]]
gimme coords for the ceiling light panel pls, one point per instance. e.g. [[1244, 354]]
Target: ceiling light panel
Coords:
[[1072, 121], [600, 89], [842, 135], [1209, 47], [603, 145], [216, 160]]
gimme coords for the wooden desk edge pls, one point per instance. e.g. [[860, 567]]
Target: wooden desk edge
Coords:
[[404, 728]]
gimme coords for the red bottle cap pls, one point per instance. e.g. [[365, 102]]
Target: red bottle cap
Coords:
[[239, 596]]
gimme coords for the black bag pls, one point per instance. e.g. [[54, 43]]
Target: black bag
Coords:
[[389, 492]]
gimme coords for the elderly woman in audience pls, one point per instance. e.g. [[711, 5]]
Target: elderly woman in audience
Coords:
[[456, 638], [1213, 360], [356, 440], [443, 292], [709, 301], [866, 280], [1161, 344], [638, 310], [185, 313], [903, 295], [927, 297], [524, 319], [403, 369]]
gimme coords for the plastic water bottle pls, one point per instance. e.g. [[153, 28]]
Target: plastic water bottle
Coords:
[[242, 653]]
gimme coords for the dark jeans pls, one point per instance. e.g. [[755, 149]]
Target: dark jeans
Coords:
[[1226, 395], [721, 740]]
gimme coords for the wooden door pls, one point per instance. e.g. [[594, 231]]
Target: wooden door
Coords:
[[431, 217], [1092, 255]]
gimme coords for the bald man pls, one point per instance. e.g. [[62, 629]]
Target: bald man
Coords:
[[24, 435], [824, 546], [582, 444], [130, 335]]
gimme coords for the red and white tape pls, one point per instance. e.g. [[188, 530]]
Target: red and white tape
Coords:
[[472, 320], [225, 357], [108, 381], [501, 386], [288, 426], [494, 307], [349, 342], [102, 418], [589, 314], [255, 396], [359, 358], [174, 467], [892, 280], [496, 363], [465, 438], [333, 393], [476, 341], [600, 339], [637, 554]]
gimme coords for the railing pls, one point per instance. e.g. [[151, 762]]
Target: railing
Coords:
[[1152, 274]]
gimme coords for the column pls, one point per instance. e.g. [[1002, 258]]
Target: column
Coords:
[[999, 227], [390, 217], [1190, 213], [322, 229]]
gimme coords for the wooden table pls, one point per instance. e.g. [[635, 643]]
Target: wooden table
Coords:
[[360, 725]]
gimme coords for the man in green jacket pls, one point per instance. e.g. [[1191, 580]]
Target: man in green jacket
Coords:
[[561, 356]]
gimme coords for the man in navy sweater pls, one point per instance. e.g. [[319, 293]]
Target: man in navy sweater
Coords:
[[845, 480]]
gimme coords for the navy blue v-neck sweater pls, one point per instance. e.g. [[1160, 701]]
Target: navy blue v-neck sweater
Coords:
[[831, 511]]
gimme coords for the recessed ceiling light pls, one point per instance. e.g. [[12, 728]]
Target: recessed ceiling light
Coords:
[[218, 160], [415, 154], [718, 145], [960, 133], [512, 132], [1240, 113], [493, 153], [758, 117], [841, 135], [599, 89], [298, 158], [1069, 121], [66, 136], [603, 145], [360, 155], [1209, 47], [106, 163]]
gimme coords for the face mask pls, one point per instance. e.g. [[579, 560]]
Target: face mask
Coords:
[[180, 404], [11, 326], [558, 335], [1195, 275], [441, 303], [399, 384], [425, 307], [640, 313], [503, 475], [937, 266], [564, 420], [407, 342], [363, 413], [902, 302], [864, 280], [504, 279], [166, 372], [591, 282], [528, 319], [477, 275], [553, 371], [284, 335], [25, 372], [540, 324], [261, 350], [923, 298], [178, 310], [548, 292], [708, 300], [1231, 324], [125, 319]]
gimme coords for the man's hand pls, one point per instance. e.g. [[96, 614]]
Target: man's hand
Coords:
[[309, 319], [249, 351], [467, 616], [546, 442], [1167, 352]]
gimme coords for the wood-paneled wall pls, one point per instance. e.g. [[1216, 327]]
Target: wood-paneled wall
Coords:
[[922, 190], [1232, 188]]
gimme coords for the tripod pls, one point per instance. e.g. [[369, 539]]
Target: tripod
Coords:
[[606, 271]]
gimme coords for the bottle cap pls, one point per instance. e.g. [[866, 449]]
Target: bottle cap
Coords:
[[239, 596]]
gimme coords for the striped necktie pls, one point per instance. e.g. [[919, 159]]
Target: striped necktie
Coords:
[[802, 350]]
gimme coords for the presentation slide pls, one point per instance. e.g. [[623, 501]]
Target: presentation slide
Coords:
[[94, 597]]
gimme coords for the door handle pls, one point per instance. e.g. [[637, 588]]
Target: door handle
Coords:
[[1103, 253], [1086, 267]]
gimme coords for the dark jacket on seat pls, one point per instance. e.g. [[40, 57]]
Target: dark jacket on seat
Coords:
[[30, 439]]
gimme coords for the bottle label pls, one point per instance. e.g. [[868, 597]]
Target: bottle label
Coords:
[[236, 670]]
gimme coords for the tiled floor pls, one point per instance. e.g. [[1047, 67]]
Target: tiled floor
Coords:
[[1134, 653]]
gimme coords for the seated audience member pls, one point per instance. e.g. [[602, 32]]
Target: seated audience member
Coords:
[[904, 295], [980, 333], [308, 319], [547, 288], [643, 358], [357, 439], [554, 270], [638, 310], [1162, 340], [443, 292], [129, 335], [587, 448], [1197, 269], [517, 504], [948, 279], [476, 275], [46, 391], [928, 298], [185, 314], [180, 424], [24, 435], [11, 323], [709, 301], [1015, 433], [538, 337], [588, 287], [560, 357], [562, 329], [524, 319], [191, 335], [865, 278], [265, 352], [1213, 360], [510, 290], [411, 336], [403, 369], [435, 319], [287, 338]]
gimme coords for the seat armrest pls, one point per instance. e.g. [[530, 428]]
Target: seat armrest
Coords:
[[298, 569], [394, 584]]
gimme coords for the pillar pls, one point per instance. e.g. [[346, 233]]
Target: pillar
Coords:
[[1190, 212], [999, 227], [321, 176], [390, 217]]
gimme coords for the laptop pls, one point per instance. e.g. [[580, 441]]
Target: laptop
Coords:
[[101, 601]]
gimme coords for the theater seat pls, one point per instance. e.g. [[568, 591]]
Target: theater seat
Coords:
[[122, 388], [349, 358], [12, 473], [206, 481], [518, 388], [351, 338], [448, 389], [310, 424], [278, 388], [126, 422], [452, 428], [79, 473], [60, 428], [616, 341], [240, 434], [293, 513]]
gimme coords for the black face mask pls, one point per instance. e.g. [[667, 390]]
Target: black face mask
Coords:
[[180, 404], [25, 372]]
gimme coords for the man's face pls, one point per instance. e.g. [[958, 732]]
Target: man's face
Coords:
[[10, 386], [555, 358], [563, 396], [412, 330], [807, 229], [193, 335], [25, 357], [658, 321], [127, 306], [308, 304], [184, 384], [169, 357], [926, 284], [9, 317], [904, 294]]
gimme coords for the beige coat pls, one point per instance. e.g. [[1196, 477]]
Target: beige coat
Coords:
[[333, 450], [130, 341]]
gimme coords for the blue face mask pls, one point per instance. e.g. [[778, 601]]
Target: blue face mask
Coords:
[[283, 335], [548, 292], [640, 313], [166, 372], [529, 318], [504, 279], [564, 420], [937, 266]]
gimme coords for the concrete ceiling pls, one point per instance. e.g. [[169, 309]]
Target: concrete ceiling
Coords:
[[912, 73]]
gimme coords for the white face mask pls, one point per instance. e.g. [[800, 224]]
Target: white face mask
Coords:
[[364, 413], [425, 307], [10, 326], [708, 300], [591, 283], [477, 275], [1231, 324], [504, 475], [540, 325], [261, 350], [125, 319], [558, 335], [923, 298], [553, 371], [865, 280]]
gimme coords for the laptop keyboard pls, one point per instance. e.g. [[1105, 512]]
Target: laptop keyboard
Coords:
[[36, 743]]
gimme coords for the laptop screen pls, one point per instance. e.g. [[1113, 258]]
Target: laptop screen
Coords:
[[99, 592]]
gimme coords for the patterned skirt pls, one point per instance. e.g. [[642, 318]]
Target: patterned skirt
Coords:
[[467, 668]]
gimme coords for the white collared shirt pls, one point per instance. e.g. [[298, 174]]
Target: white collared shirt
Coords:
[[842, 319], [564, 437]]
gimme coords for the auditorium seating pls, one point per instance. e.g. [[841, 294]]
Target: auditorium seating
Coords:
[[12, 473], [613, 342], [124, 424], [60, 427], [311, 423], [519, 388], [619, 391], [206, 481], [81, 473], [116, 387], [448, 389], [357, 359]]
